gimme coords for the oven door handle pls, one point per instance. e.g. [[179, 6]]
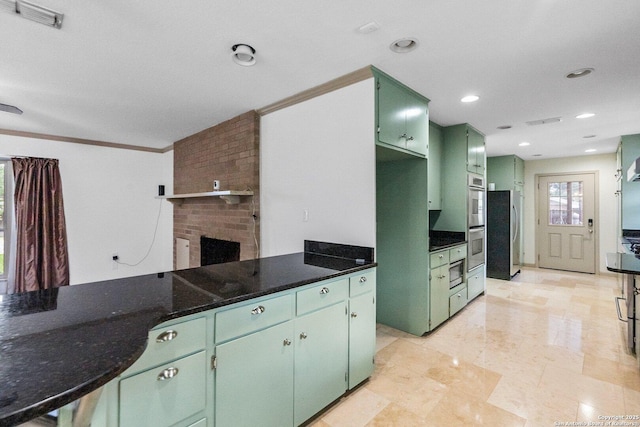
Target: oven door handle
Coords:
[[618, 309]]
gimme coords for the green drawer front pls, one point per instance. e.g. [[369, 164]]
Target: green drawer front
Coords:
[[201, 423], [321, 296], [437, 259], [475, 282], [457, 253], [361, 283], [252, 317], [457, 301], [145, 400], [171, 342]]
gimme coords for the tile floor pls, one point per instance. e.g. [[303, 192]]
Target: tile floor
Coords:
[[544, 349]]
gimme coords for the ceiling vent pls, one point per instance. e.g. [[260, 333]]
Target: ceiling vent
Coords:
[[544, 121], [33, 12], [10, 109]]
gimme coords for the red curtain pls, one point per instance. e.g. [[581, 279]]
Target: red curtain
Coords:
[[42, 260]]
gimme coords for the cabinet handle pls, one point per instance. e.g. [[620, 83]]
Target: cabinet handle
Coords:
[[166, 336], [363, 279], [324, 290], [303, 335], [459, 296], [404, 135], [167, 374], [440, 256], [286, 341], [354, 314], [258, 310], [441, 277], [410, 138]]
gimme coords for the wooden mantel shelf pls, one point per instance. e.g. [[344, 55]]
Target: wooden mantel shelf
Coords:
[[232, 197]]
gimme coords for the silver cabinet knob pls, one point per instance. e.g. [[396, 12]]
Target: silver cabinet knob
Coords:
[[410, 138], [459, 296], [354, 314], [324, 290], [286, 341], [363, 279], [440, 256], [404, 135], [166, 336], [258, 310], [167, 374], [303, 335]]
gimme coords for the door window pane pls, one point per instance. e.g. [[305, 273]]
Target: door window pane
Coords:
[[566, 203]]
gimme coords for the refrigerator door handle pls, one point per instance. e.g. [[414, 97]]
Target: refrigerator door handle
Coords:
[[515, 216]]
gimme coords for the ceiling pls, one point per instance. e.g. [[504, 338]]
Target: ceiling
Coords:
[[149, 73]]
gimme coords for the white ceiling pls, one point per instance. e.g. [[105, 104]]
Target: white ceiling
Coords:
[[151, 72]]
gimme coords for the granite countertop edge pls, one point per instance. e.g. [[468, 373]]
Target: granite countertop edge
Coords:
[[138, 343]]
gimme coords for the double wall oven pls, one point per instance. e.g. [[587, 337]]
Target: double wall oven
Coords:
[[476, 216]]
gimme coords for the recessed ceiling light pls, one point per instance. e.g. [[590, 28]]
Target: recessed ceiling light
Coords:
[[584, 115], [590, 150], [503, 127], [589, 136], [243, 54], [470, 98], [580, 73], [404, 45], [524, 144]]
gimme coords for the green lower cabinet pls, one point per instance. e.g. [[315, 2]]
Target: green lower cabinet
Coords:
[[438, 296], [320, 367], [165, 395], [458, 299], [475, 282], [362, 337], [254, 379]]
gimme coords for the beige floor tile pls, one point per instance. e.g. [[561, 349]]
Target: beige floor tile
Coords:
[[613, 372], [356, 410]]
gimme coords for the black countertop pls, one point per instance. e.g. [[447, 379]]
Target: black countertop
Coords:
[[445, 239], [58, 345], [623, 263]]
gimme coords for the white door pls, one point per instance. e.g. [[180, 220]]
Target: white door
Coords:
[[566, 232]]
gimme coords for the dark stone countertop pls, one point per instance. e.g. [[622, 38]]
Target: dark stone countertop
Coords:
[[439, 240], [623, 263], [58, 345]]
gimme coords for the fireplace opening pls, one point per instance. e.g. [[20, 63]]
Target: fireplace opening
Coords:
[[216, 251]]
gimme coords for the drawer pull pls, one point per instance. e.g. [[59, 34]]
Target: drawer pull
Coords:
[[324, 291], [258, 310], [167, 374], [459, 296], [303, 335], [354, 314], [440, 256], [286, 341], [166, 336], [363, 279]]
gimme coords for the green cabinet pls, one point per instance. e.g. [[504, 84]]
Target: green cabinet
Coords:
[[458, 299], [435, 161], [630, 151], [475, 282], [402, 116], [438, 295], [362, 327], [254, 379], [506, 172], [475, 151]]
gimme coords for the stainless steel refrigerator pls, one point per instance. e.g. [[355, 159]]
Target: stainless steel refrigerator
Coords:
[[504, 234]]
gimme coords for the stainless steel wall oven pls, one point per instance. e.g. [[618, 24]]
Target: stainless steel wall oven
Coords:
[[475, 247]]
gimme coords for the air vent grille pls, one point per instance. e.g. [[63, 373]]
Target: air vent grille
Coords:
[[544, 121]]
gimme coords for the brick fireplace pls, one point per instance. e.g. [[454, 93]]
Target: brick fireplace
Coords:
[[228, 152]]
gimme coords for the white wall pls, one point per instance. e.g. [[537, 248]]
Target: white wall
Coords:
[[319, 155], [109, 205], [607, 202]]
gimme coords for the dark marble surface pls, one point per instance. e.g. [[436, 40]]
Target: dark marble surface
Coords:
[[445, 239], [57, 345], [623, 263]]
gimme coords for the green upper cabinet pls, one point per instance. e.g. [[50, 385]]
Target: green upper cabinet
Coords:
[[630, 151], [506, 172], [434, 169], [475, 151], [402, 116]]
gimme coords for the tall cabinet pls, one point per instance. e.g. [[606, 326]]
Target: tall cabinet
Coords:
[[630, 191]]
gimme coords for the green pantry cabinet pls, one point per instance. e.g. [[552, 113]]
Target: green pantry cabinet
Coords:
[[506, 172], [271, 361]]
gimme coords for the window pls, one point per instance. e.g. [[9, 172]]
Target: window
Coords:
[[566, 203]]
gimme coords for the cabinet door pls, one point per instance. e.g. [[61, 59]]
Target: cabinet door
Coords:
[[391, 114], [254, 379], [439, 296], [321, 355], [417, 124], [435, 160], [165, 395], [475, 154], [362, 337], [518, 172], [475, 282]]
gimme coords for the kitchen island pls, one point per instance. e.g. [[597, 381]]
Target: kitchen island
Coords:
[[58, 345]]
